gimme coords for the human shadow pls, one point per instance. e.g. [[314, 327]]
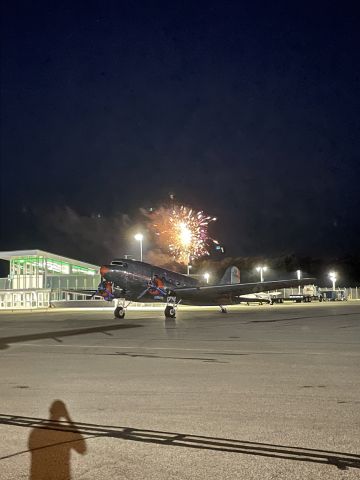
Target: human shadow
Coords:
[[341, 460], [58, 334], [50, 448]]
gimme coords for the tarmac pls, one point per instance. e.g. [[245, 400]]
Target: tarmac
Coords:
[[262, 392]]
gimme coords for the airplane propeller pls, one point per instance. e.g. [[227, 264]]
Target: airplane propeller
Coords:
[[152, 287]]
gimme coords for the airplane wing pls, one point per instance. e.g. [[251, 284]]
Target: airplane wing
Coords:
[[220, 294], [88, 293], [106, 295]]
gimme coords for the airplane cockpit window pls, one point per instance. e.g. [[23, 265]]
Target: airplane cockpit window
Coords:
[[119, 263]]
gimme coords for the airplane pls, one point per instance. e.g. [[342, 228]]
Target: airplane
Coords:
[[126, 281], [262, 297]]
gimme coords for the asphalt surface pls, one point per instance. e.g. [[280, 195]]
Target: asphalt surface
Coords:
[[264, 392]]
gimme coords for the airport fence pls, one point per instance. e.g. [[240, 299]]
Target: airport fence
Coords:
[[354, 293], [24, 299], [44, 298]]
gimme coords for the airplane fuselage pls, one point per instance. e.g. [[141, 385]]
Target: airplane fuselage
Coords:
[[142, 282]]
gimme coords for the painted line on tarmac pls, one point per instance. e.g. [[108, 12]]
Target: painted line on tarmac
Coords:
[[205, 350], [119, 347]]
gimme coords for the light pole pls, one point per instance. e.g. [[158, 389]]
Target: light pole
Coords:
[[139, 237], [333, 278], [298, 274], [261, 269], [207, 276]]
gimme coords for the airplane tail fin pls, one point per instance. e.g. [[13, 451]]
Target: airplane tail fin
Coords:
[[231, 275]]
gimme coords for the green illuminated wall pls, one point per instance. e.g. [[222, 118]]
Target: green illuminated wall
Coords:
[[42, 272]]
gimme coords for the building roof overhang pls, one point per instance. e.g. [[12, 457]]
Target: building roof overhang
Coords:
[[13, 254]]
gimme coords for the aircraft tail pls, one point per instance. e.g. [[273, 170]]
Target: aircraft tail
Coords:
[[231, 275]]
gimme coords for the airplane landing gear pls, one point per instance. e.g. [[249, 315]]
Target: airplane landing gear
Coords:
[[120, 308], [119, 312], [223, 309], [171, 306], [170, 312]]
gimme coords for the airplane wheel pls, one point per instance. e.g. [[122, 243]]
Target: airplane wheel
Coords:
[[170, 312], [119, 312]]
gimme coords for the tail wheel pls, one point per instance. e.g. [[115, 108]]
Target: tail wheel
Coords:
[[119, 312], [170, 312]]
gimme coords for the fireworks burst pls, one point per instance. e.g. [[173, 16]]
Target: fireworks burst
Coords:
[[183, 232]]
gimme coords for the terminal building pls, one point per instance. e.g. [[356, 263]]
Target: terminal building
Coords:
[[36, 278]]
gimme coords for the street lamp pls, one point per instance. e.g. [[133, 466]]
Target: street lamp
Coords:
[[139, 237], [207, 276], [333, 278], [261, 269], [298, 274]]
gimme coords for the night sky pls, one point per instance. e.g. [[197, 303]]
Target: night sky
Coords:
[[247, 110]]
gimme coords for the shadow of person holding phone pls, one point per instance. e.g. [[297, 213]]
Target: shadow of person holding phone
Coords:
[[51, 444]]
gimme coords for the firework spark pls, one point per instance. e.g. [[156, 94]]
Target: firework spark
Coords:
[[183, 232]]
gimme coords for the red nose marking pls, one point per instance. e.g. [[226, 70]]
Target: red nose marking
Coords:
[[104, 270]]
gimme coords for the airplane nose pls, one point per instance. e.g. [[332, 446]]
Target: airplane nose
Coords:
[[104, 270]]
